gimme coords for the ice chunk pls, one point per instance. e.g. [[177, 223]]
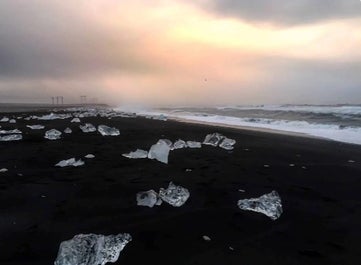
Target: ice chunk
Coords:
[[159, 151], [88, 127], [68, 130], [167, 142], [12, 121], [70, 162], [213, 139], [269, 204], [227, 144], [139, 153], [11, 137], [91, 249], [108, 131], [3, 170], [193, 144], [35, 127], [148, 198], [75, 120], [174, 195], [206, 238], [179, 144], [16, 131], [4, 119], [52, 134], [89, 156]]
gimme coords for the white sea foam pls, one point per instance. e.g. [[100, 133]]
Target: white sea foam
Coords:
[[348, 134]]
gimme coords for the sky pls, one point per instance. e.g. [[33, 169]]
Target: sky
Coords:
[[181, 52]]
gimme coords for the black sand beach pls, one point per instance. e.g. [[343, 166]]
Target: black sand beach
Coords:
[[41, 205]]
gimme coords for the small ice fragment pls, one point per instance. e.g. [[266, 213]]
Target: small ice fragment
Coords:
[[179, 144], [53, 116], [68, 130], [89, 156], [91, 249], [75, 120], [35, 127], [52, 134], [193, 144], [3, 170], [304, 167], [230, 248], [12, 121], [240, 190], [70, 162], [87, 128], [246, 149], [147, 198], [159, 151], [188, 170], [351, 161], [291, 165], [4, 119], [227, 143], [167, 142], [43, 196], [108, 131], [269, 204], [11, 137], [213, 139], [265, 165], [174, 195], [206, 238], [139, 153], [16, 131]]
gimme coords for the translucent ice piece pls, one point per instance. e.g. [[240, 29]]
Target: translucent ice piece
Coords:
[[12, 121], [52, 134], [11, 137], [72, 162], [213, 139], [159, 151], [3, 170], [16, 131], [68, 130], [36, 127], [139, 153], [108, 131], [4, 119], [148, 198], [87, 128], [179, 144], [227, 144], [174, 195], [91, 249], [89, 156], [193, 144], [75, 120], [269, 204], [53, 116]]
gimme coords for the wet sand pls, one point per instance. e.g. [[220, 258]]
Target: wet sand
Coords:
[[42, 205]]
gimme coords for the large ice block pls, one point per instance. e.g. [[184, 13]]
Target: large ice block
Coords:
[[139, 153], [213, 139], [269, 204], [91, 249], [72, 162], [193, 144], [108, 131], [148, 198], [160, 151], [174, 195], [179, 144], [52, 134], [88, 127], [11, 137], [227, 143]]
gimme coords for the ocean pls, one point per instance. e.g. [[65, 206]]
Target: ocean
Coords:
[[336, 122]]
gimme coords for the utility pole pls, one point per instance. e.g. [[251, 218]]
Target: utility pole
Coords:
[[53, 100]]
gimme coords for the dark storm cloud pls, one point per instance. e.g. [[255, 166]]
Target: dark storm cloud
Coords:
[[285, 12]]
